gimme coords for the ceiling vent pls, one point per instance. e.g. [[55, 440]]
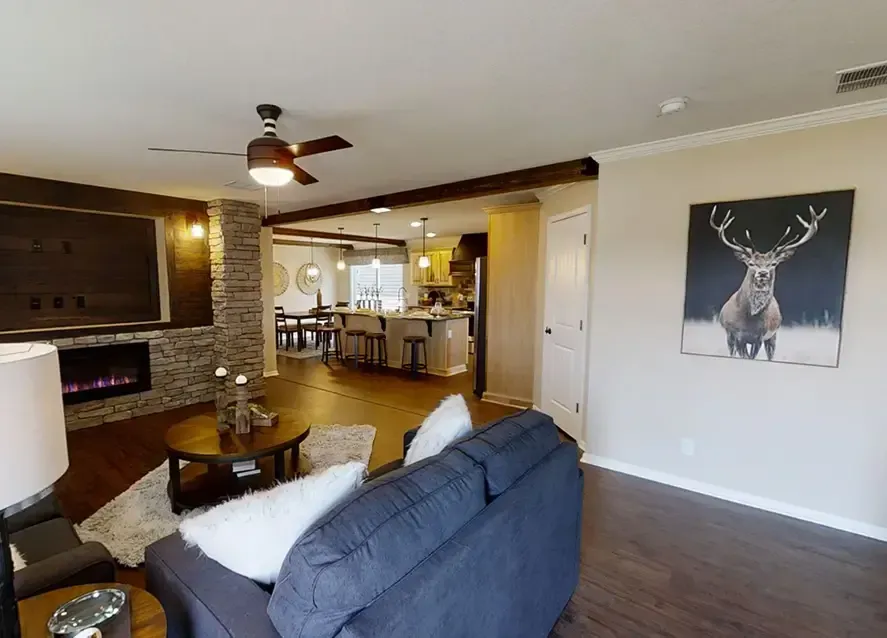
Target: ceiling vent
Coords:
[[862, 77], [243, 185]]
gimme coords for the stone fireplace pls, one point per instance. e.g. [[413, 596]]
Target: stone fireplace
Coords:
[[143, 327]]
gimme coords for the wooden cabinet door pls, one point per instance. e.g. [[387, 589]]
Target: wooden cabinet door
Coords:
[[445, 278]]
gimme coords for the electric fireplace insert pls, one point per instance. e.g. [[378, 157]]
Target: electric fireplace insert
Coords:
[[99, 372]]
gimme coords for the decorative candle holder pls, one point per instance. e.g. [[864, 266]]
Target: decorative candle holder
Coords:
[[221, 399], [241, 406]]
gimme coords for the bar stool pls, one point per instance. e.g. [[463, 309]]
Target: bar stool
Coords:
[[414, 366], [355, 335], [330, 339], [376, 345]]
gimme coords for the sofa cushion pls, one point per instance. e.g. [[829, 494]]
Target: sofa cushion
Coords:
[[371, 540], [508, 448]]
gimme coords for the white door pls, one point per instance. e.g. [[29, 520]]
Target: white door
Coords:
[[564, 330]]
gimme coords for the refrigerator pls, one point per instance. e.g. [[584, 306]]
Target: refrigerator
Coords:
[[480, 326]]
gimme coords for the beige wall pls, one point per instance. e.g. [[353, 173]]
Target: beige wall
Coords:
[[563, 201], [811, 440], [292, 258], [266, 249], [512, 300]]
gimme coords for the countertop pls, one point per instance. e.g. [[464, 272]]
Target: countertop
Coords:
[[383, 315]]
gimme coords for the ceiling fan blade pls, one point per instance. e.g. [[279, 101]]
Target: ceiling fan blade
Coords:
[[320, 145], [184, 150], [303, 177]]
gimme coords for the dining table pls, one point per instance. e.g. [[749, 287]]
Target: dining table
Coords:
[[298, 316]]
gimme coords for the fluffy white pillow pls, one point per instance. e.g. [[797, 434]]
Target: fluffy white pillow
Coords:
[[252, 535], [449, 421], [18, 561]]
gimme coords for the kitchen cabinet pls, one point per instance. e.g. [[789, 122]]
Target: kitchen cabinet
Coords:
[[437, 273]]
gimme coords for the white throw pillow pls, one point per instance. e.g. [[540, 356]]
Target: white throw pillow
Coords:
[[252, 535], [449, 421], [18, 561]]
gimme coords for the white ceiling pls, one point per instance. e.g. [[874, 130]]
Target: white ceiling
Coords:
[[448, 219], [428, 92]]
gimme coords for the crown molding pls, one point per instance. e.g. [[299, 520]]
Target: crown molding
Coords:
[[836, 115]]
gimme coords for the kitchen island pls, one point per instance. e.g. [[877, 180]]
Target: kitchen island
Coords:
[[447, 336]]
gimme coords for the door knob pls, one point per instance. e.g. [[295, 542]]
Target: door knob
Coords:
[[547, 331]]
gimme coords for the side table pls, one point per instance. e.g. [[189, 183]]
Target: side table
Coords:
[[147, 619]]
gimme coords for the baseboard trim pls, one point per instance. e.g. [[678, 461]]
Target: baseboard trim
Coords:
[[503, 399], [742, 498], [271, 373]]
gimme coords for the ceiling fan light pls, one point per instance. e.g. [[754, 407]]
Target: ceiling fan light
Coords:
[[377, 263], [340, 265], [424, 261], [271, 175]]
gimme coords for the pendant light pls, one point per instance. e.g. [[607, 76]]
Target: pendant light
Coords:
[[376, 262], [424, 262], [313, 270], [341, 263]]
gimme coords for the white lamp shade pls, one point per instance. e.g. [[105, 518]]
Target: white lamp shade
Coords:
[[340, 265], [34, 454], [424, 261], [377, 263]]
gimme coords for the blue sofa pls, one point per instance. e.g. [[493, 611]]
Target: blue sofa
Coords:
[[481, 540]]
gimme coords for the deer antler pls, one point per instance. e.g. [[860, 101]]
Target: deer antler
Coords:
[[736, 247], [784, 251]]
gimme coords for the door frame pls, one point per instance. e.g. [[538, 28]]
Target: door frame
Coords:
[[546, 314]]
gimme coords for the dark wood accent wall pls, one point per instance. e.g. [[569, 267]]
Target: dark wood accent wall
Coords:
[[64, 268], [188, 267]]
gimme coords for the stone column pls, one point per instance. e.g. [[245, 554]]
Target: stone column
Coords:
[[234, 229]]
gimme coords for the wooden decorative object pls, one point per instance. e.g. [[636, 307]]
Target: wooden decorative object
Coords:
[[281, 279], [221, 399], [241, 407]]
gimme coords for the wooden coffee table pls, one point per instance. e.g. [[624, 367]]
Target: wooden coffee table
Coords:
[[209, 478], [147, 619]]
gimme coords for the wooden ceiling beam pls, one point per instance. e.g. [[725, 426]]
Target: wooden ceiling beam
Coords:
[[539, 177], [317, 244], [319, 234]]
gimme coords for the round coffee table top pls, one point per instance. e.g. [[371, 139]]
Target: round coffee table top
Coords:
[[197, 439], [147, 619]]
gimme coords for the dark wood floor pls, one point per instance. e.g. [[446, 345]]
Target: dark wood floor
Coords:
[[656, 561]]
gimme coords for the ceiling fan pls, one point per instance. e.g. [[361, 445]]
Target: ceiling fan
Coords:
[[271, 160]]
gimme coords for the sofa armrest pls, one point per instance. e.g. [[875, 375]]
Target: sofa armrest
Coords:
[[89, 563], [202, 598]]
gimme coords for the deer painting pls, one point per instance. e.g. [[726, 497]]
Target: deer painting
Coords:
[[751, 316]]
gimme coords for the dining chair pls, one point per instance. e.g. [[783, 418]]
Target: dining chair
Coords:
[[323, 316], [283, 329]]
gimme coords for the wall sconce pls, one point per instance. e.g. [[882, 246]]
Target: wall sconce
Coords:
[[197, 229]]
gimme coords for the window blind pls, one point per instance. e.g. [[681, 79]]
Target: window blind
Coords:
[[388, 276]]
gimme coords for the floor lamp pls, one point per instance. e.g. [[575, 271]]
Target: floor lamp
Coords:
[[33, 447]]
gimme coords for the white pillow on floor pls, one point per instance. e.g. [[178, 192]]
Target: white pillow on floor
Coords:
[[18, 561], [252, 535], [449, 421]]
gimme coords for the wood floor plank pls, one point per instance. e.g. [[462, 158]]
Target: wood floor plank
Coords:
[[656, 560]]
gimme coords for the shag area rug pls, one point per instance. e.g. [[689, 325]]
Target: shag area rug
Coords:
[[308, 352], [141, 515]]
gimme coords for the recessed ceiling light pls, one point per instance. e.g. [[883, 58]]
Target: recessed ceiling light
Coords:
[[415, 224], [674, 105], [380, 209], [431, 234]]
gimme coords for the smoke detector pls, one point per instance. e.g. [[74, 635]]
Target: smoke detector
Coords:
[[673, 105], [862, 77]]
